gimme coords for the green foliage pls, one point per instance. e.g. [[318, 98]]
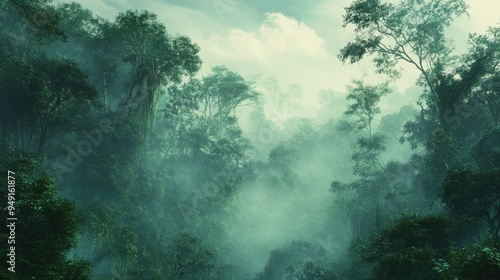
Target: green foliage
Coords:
[[474, 193], [466, 101], [43, 98], [487, 150], [412, 32], [370, 201], [345, 268], [205, 111], [192, 258], [470, 263], [78, 22], [364, 197], [40, 17], [222, 92], [442, 155], [365, 102], [367, 155], [280, 171], [311, 271], [417, 131], [156, 59], [159, 199], [407, 249], [46, 226], [483, 60], [291, 255], [281, 157]]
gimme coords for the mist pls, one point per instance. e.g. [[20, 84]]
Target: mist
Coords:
[[273, 148]]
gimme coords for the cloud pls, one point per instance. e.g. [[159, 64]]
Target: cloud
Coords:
[[483, 14], [279, 37], [281, 46], [285, 35]]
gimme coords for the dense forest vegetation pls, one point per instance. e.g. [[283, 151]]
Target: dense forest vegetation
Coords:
[[130, 165]]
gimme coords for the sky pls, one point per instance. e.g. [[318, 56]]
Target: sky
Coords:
[[295, 41]]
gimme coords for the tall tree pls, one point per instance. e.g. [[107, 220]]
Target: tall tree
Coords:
[[364, 108], [206, 108], [411, 32], [365, 194], [365, 99], [156, 59], [484, 54], [222, 93]]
